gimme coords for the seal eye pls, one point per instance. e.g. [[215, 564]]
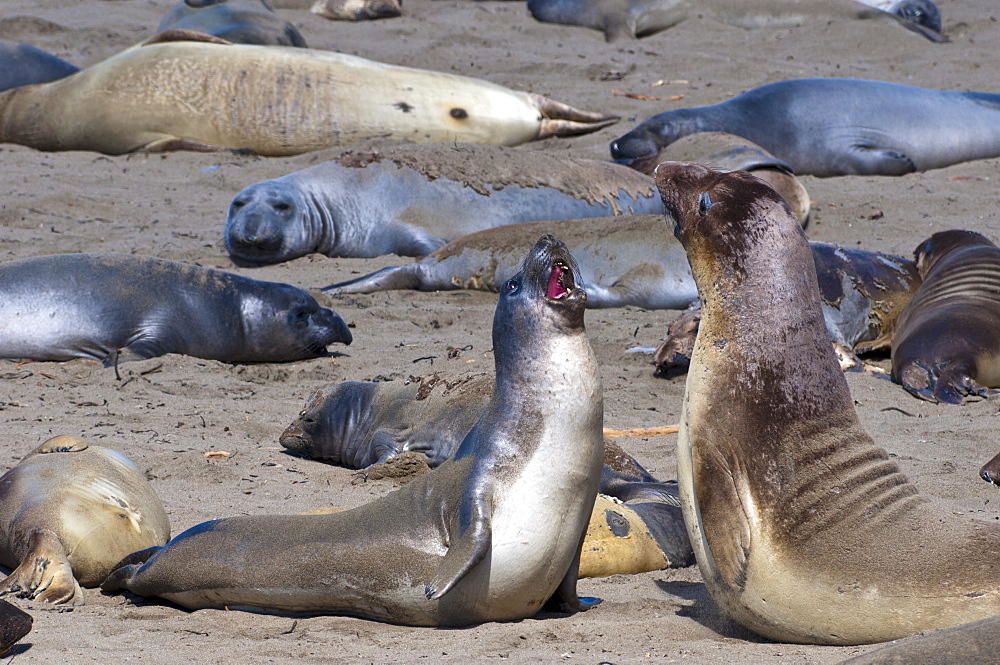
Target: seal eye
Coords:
[[238, 203], [511, 285], [705, 202], [298, 317], [282, 207]]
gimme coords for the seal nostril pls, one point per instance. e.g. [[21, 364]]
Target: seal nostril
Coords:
[[459, 114]]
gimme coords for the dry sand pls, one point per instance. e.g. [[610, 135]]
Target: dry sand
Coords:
[[167, 412]]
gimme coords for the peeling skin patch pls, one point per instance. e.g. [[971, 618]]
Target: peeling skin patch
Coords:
[[484, 167]]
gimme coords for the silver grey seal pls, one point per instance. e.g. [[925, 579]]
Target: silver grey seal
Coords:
[[837, 126], [117, 307], [489, 536]]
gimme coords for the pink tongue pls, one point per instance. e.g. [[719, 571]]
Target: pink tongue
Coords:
[[556, 289]]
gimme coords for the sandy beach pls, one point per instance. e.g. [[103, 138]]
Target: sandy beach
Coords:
[[166, 413]]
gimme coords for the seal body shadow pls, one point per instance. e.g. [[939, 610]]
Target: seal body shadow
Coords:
[[489, 536], [791, 508]]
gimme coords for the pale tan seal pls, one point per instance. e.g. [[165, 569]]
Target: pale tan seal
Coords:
[[803, 528], [69, 513], [272, 100]]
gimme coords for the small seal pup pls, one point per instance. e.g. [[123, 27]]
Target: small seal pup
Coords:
[[117, 307], [69, 513], [469, 542], [947, 344], [237, 21], [271, 100], [23, 64], [619, 19], [410, 200], [792, 510], [837, 126]]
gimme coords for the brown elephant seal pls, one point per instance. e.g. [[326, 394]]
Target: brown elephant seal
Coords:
[[794, 514], [638, 18], [411, 200], [236, 21], [357, 10], [69, 512], [873, 128], [975, 643], [15, 623], [728, 152], [862, 294], [24, 64], [286, 101], [946, 346], [466, 543], [118, 307]]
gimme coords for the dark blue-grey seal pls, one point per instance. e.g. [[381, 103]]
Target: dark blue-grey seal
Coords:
[[638, 18], [116, 307], [491, 535], [24, 64], [237, 21], [947, 342], [837, 126], [793, 511], [411, 200]]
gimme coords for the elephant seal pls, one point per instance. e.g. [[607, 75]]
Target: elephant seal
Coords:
[[974, 643], [625, 261], [791, 508], [23, 64], [411, 200], [728, 152], [619, 19], [468, 542], [871, 128], [357, 10], [116, 307], [69, 513], [620, 263], [636, 527], [237, 21], [946, 346], [862, 294], [271, 100]]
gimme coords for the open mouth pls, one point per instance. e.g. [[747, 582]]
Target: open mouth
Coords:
[[560, 281], [318, 349]]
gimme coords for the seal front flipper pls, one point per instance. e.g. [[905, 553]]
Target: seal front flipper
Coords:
[[61, 444], [869, 160], [466, 552], [171, 143], [392, 278], [45, 573]]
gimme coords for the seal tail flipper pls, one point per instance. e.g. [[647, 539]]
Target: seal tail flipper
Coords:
[[463, 554], [564, 599], [123, 571], [184, 35], [560, 119], [45, 573], [15, 623], [387, 279]]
